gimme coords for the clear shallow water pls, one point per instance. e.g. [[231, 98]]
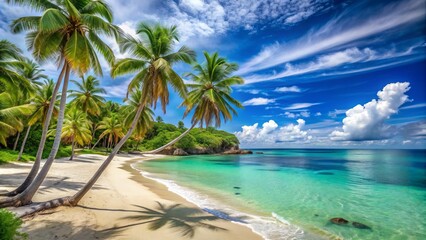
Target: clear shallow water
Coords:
[[384, 189]]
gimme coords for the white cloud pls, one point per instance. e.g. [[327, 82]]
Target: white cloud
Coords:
[[419, 105], [194, 5], [288, 89], [253, 91], [279, 12], [119, 90], [337, 32], [336, 112], [304, 114], [367, 122], [258, 101], [296, 106], [318, 114], [269, 134], [333, 60]]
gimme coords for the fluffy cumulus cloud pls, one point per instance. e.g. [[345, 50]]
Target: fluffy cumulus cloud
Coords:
[[270, 133], [367, 122], [258, 101]]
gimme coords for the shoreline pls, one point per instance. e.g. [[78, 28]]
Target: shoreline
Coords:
[[271, 226], [115, 207]]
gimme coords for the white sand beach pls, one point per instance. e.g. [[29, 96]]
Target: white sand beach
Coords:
[[122, 205]]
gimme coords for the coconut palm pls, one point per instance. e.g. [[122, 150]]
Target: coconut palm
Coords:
[[210, 94], [112, 129], [41, 103], [76, 129], [145, 121], [152, 63], [33, 74], [10, 59], [10, 115], [31, 71], [67, 32], [87, 96]]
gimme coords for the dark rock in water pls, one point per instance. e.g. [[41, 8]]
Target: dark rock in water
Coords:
[[316, 215], [237, 193], [360, 225], [259, 152], [237, 187], [239, 151], [180, 152], [339, 221], [325, 173]]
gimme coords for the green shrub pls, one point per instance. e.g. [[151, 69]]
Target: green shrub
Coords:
[[9, 226], [187, 142], [7, 155]]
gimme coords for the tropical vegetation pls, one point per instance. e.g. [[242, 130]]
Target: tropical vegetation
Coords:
[[62, 122]]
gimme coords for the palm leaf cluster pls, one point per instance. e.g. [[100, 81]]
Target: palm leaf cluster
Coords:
[[10, 116], [88, 95], [76, 127], [210, 92], [68, 31], [11, 63], [152, 63]]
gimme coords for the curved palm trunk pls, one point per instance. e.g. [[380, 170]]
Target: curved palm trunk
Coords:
[[26, 196], [36, 166], [16, 141], [80, 194], [96, 143], [72, 149], [173, 141], [23, 143]]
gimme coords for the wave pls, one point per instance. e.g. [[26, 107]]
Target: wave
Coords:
[[271, 228]]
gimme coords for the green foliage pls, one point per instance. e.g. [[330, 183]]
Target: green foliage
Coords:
[[181, 125], [9, 226], [163, 133], [64, 151], [159, 119], [187, 142], [7, 155]]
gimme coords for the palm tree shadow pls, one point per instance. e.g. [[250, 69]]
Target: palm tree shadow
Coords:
[[184, 219]]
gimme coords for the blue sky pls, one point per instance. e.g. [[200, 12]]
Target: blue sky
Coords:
[[319, 73]]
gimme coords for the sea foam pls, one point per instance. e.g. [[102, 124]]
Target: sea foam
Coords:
[[270, 228]]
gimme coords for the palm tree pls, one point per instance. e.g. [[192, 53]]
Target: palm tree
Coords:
[[113, 130], [41, 103], [145, 121], [153, 63], [87, 96], [210, 94], [10, 115], [32, 73], [76, 129], [10, 59], [68, 32]]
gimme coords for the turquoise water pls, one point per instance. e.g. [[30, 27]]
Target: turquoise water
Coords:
[[383, 189]]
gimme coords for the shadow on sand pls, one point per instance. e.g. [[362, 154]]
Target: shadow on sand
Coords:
[[67, 230], [183, 219]]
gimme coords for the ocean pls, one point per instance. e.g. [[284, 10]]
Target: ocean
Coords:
[[293, 193]]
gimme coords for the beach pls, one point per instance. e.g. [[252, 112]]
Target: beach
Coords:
[[122, 205]]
